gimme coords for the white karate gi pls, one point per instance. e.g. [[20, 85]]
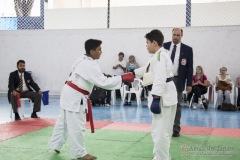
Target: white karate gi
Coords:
[[71, 123], [162, 124]]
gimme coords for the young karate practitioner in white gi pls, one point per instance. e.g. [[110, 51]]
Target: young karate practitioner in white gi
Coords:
[[71, 123], [162, 99]]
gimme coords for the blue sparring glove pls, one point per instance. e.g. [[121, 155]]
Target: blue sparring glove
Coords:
[[155, 106]]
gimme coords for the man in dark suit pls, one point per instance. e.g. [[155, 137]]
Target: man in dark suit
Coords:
[[182, 58], [21, 82]]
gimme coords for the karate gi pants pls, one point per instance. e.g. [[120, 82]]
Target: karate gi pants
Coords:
[[71, 126], [162, 131]]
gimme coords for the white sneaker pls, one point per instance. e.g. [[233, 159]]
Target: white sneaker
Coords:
[[194, 106], [201, 106], [107, 105], [199, 101]]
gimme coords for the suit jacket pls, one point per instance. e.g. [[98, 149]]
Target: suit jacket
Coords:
[[14, 81], [185, 68]]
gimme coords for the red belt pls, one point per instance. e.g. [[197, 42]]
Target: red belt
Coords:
[[89, 116]]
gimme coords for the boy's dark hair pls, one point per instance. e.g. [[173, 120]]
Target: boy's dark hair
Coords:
[[155, 35], [20, 61], [121, 53], [92, 44]]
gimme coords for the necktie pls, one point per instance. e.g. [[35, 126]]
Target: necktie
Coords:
[[21, 84], [173, 53]]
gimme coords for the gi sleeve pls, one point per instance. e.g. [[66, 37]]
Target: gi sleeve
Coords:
[[90, 71], [140, 71]]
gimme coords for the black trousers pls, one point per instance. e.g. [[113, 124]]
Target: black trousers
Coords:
[[118, 93], [197, 91], [177, 123], [144, 91], [108, 100], [34, 96], [238, 98]]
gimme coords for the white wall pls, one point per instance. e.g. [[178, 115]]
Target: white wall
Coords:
[[148, 16], [49, 54], [75, 18], [215, 14], [120, 17], [202, 14]]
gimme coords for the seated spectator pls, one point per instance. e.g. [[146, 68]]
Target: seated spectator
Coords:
[[131, 66], [223, 87], [20, 82], [200, 84], [120, 65], [119, 68], [238, 85]]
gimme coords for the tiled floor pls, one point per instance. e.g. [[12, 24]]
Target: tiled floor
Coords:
[[112, 142], [126, 129], [134, 114]]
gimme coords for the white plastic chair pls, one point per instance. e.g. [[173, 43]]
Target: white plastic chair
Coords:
[[137, 88], [215, 95], [185, 95], [113, 97], [22, 100], [206, 95], [122, 91], [236, 96]]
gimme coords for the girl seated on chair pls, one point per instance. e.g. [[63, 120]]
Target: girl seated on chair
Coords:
[[238, 86], [131, 66], [223, 87], [200, 84]]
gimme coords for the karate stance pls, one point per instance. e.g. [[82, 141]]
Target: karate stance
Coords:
[[162, 99], [75, 104]]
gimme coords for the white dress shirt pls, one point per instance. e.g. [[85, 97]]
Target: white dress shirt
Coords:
[[176, 59]]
